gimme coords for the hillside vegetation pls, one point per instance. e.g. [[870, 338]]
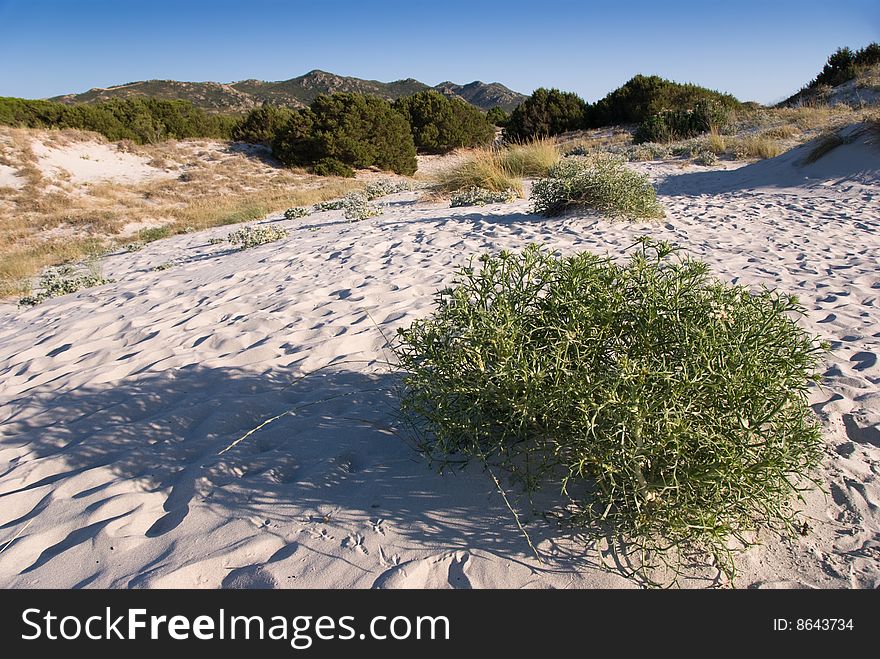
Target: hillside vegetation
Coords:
[[141, 120]]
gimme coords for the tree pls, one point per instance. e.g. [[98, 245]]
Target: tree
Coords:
[[441, 123], [547, 112]]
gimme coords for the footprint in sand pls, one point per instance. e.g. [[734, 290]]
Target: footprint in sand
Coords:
[[441, 571]]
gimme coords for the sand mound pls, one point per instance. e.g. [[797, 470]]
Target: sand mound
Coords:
[[854, 162], [92, 161]]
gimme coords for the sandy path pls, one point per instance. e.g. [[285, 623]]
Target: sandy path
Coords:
[[115, 402]]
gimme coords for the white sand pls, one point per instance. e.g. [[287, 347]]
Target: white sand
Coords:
[[92, 162], [116, 402], [9, 177]]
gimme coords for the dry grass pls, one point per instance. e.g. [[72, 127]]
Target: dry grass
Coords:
[[824, 144], [716, 143], [499, 169], [756, 146], [533, 158], [198, 184], [481, 168]]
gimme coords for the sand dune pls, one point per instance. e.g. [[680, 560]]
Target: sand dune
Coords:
[[116, 403]]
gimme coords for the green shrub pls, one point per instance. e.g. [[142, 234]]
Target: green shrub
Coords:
[[440, 123], [251, 236], [481, 196], [545, 113], [672, 125], [61, 281], [141, 120], [357, 130], [602, 182], [497, 117], [261, 125], [386, 187], [333, 205], [150, 234], [671, 408], [332, 167], [297, 212], [641, 97], [356, 206]]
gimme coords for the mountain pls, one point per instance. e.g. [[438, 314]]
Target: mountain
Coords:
[[484, 95], [296, 92]]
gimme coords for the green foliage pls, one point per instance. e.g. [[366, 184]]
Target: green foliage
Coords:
[[251, 236], [61, 281], [141, 120], [356, 206], [546, 112], [672, 125], [385, 187], [475, 196], [298, 212], [262, 124], [497, 117], [641, 97], [671, 408], [357, 130], [150, 234], [602, 182], [844, 64], [332, 167], [441, 123]]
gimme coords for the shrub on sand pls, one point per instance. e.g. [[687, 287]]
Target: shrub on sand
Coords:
[[670, 407], [61, 281], [481, 197], [251, 236], [602, 182]]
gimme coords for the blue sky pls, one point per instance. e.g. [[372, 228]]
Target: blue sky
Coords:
[[756, 50]]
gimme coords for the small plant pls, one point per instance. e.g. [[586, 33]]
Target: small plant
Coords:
[[356, 206], [61, 281], [602, 182], [480, 197], [295, 213], [333, 205], [167, 265], [386, 187], [134, 247], [669, 407], [332, 167], [706, 158], [154, 233], [253, 236]]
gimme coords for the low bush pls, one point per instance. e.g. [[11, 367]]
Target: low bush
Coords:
[[253, 236], [642, 97], [61, 281], [481, 197], [602, 182], [669, 407], [297, 212], [332, 167], [356, 206], [681, 124], [385, 187]]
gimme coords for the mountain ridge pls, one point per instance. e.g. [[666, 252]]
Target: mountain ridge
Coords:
[[300, 91]]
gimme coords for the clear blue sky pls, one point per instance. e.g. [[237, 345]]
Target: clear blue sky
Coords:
[[757, 50]]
